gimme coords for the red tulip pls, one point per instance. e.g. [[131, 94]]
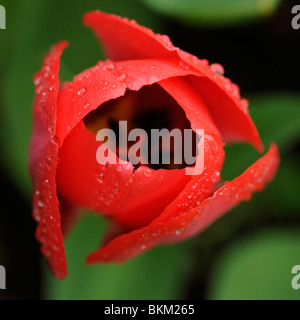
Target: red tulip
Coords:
[[146, 207]]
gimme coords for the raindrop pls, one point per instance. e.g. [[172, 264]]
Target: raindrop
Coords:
[[179, 231], [121, 77], [100, 177], [245, 105], [148, 172], [40, 203], [184, 65], [217, 68], [37, 215], [109, 66], [87, 105], [81, 91], [228, 86]]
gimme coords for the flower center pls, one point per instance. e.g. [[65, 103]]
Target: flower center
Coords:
[[149, 127]]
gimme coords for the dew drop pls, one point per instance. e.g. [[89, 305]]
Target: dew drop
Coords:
[[236, 89], [40, 203], [109, 66], [179, 231], [148, 172], [245, 105], [217, 68], [87, 105], [37, 215], [121, 77], [184, 65], [81, 91], [228, 86], [100, 177]]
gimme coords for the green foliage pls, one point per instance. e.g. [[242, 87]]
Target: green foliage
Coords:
[[257, 267], [214, 13]]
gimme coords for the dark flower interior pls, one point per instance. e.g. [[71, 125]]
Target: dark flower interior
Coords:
[[149, 108]]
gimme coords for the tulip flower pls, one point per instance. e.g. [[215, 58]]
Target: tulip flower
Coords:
[[150, 84]]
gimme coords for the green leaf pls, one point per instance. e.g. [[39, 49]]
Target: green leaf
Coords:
[[157, 274], [215, 12], [257, 267]]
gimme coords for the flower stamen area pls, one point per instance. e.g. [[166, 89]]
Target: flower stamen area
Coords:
[[148, 127]]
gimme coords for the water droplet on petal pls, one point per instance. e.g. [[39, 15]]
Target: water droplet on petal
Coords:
[[87, 105], [245, 105], [184, 65], [217, 68], [81, 91], [148, 172], [40, 203], [236, 89], [121, 77]]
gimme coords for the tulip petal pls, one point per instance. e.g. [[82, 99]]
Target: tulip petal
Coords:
[[144, 190], [107, 81], [133, 199], [218, 92], [43, 161], [184, 224]]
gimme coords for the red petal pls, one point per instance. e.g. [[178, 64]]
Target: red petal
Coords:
[[126, 40], [220, 95], [180, 224], [107, 81], [132, 199], [146, 190], [43, 161]]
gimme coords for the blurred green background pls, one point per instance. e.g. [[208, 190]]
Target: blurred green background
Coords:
[[250, 252]]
